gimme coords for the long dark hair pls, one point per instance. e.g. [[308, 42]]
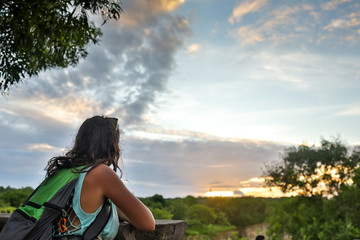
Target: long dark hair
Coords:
[[97, 142]]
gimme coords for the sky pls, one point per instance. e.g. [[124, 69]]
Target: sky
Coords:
[[207, 93]]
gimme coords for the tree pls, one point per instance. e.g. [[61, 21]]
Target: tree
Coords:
[[202, 213], [161, 213], [157, 198], [42, 34], [15, 197], [179, 210], [314, 171], [315, 174]]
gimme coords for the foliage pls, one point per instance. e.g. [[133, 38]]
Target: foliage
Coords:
[[190, 200], [38, 35], [161, 213], [328, 181], [312, 171], [241, 212], [179, 210], [222, 219], [12, 198], [7, 209], [310, 218], [157, 198], [205, 216], [202, 214], [210, 216]]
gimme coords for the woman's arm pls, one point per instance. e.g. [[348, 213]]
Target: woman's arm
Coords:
[[122, 216], [134, 210]]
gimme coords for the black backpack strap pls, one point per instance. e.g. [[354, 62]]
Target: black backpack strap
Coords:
[[99, 223]]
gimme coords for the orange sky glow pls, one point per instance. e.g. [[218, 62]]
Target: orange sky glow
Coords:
[[251, 191]]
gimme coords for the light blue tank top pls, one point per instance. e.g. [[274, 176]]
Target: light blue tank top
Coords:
[[111, 228]]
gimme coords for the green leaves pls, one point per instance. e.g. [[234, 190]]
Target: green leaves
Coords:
[[329, 170], [312, 171], [202, 213], [39, 35], [14, 197]]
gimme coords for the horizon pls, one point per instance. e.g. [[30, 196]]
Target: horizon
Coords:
[[205, 98]]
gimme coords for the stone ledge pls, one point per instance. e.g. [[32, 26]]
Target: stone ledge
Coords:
[[164, 230]]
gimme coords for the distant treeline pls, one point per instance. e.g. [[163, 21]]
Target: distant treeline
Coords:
[[240, 212], [208, 216], [11, 198], [203, 215]]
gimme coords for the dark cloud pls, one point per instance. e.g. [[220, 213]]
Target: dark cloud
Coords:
[[215, 182], [127, 71], [170, 168], [123, 75], [197, 165], [238, 193]]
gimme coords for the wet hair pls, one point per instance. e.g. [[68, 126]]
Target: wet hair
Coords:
[[97, 142]]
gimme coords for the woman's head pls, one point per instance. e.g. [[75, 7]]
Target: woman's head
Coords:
[[97, 142]]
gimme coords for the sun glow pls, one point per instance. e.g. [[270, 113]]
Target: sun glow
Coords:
[[219, 194]]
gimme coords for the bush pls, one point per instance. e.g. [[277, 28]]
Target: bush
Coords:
[[161, 213], [204, 214]]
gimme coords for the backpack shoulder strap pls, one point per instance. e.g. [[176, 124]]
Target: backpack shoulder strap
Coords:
[[99, 223]]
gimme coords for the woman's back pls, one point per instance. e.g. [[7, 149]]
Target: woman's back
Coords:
[[103, 182], [79, 220]]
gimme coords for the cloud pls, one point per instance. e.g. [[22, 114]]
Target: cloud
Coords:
[[140, 13], [196, 166], [244, 8], [219, 194], [43, 147], [348, 22], [315, 15], [220, 165], [122, 76], [263, 192], [256, 180], [253, 182], [193, 48], [238, 193], [350, 111], [276, 26], [332, 5], [297, 69], [299, 24], [284, 14], [27, 141], [344, 28], [248, 35]]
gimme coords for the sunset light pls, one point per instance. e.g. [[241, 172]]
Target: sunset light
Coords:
[[219, 194], [204, 101]]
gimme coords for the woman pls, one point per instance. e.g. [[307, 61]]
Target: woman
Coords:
[[96, 148]]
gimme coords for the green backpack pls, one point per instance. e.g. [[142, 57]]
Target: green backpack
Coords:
[[35, 219]]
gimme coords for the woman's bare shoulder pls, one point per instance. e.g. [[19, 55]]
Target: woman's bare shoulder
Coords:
[[102, 172], [111, 186], [101, 168]]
